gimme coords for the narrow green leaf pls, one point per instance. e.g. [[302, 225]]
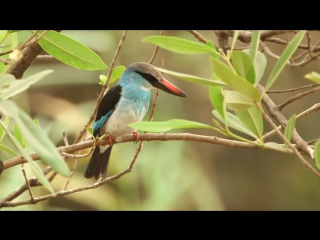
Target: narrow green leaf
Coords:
[[2, 130], [233, 122], [243, 65], [254, 45], [8, 108], [289, 128], [233, 80], [167, 126], [18, 136], [116, 73], [35, 168], [3, 34], [13, 31], [237, 101], [9, 43], [234, 40], [217, 98], [36, 137], [89, 129], [5, 81], [214, 54], [191, 78], [70, 52], [259, 65], [23, 84], [286, 55], [179, 45], [276, 146], [317, 153], [7, 149], [40, 143], [315, 77], [252, 119]]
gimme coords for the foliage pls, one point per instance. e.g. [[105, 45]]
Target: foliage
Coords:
[[234, 91]]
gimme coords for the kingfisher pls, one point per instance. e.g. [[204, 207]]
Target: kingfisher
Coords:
[[123, 104]]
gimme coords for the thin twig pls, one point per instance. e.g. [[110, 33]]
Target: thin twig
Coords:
[[276, 114], [295, 150], [296, 97], [293, 89], [74, 168], [104, 88], [25, 44], [305, 113], [27, 182]]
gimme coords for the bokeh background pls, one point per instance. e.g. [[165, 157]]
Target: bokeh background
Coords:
[[172, 175]]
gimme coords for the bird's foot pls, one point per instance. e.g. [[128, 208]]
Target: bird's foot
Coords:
[[110, 140], [137, 136]]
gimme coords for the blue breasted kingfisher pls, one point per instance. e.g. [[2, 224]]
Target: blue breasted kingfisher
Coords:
[[123, 104]]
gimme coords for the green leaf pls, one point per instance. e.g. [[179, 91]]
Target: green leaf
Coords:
[[276, 146], [317, 153], [9, 43], [243, 65], [167, 126], [315, 77], [286, 55], [254, 45], [116, 73], [191, 78], [5, 81], [8, 108], [252, 119], [89, 129], [40, 143], [36, 137], [13, 31], [217, 98], [289, 128], [233, 122], [214, 54], [35, 168], [179, 45], [234, 40], [23, 84], [7, 149], [18, 136], [259, 65], [2, 130], [237, 101], [235, 81], [3, 34], [70, 52]]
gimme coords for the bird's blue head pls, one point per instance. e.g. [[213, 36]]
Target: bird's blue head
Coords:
[[144, 75]]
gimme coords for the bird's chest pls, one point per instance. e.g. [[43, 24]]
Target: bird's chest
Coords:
[[126, 112]]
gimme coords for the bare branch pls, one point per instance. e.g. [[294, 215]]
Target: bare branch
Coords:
[[296, 97], [305, 162], [27, 183], [275, 113], [105, 87], [294, 89]]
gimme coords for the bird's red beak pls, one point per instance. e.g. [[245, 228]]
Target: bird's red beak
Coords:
[[168, 87]]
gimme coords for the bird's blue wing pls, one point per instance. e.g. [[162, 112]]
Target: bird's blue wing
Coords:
[[106, 108]]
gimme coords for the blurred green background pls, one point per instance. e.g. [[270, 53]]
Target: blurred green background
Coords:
[[172, 175]]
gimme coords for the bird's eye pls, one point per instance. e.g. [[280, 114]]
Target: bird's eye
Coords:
[[150, 78]]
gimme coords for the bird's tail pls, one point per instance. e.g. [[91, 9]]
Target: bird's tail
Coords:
[[98, 164]]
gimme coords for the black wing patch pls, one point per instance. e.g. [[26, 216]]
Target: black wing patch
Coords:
[[107, 105]]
